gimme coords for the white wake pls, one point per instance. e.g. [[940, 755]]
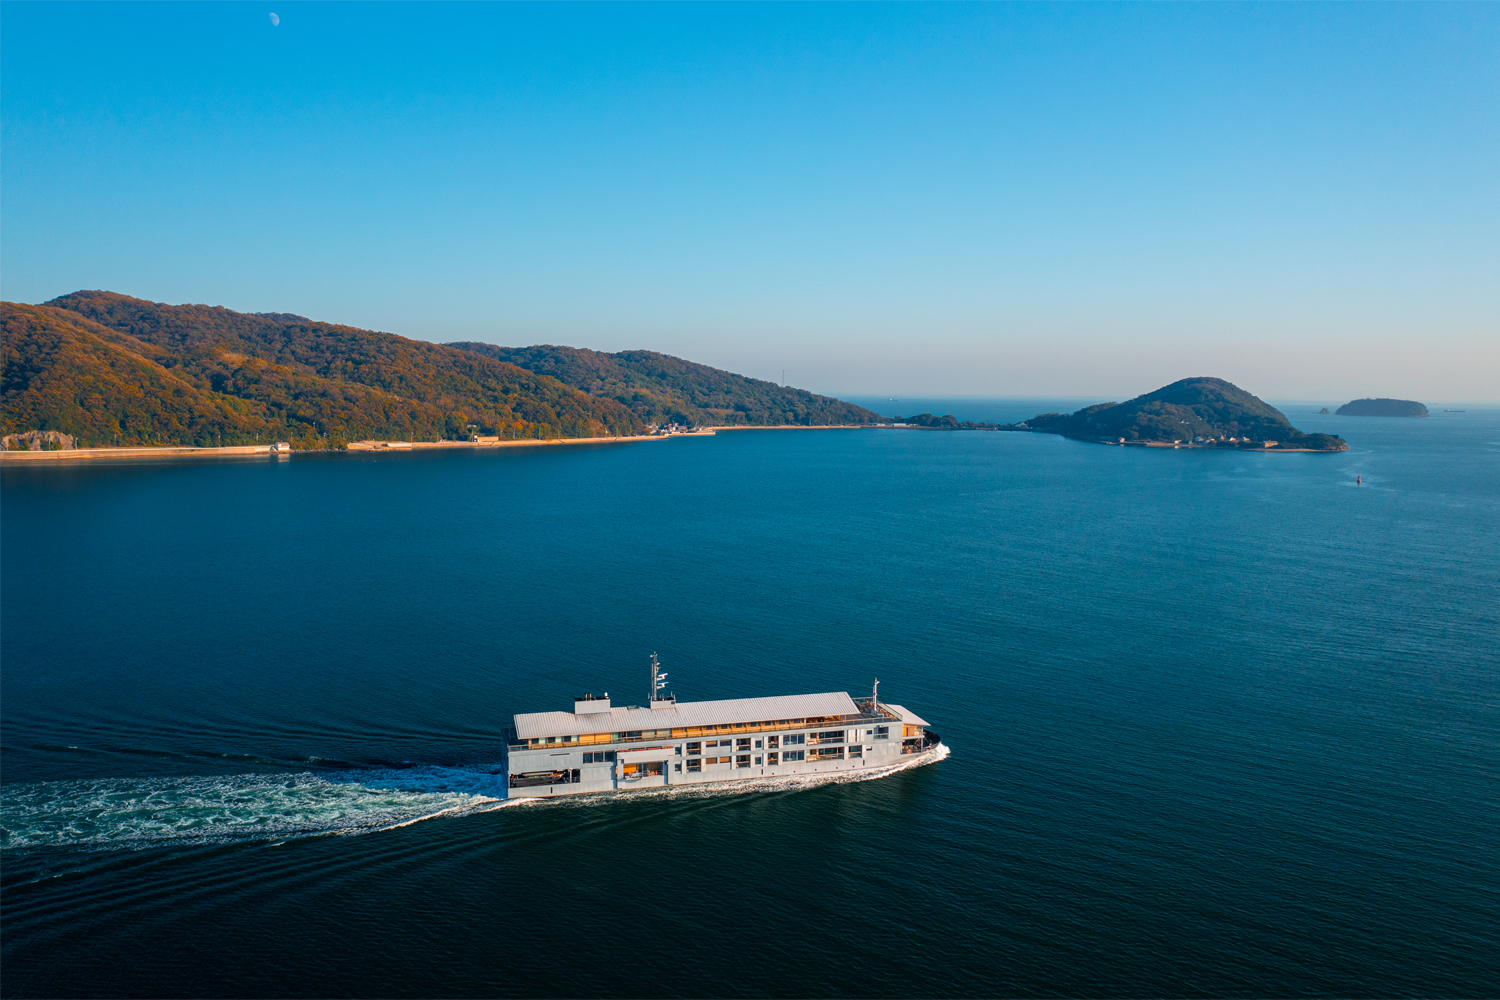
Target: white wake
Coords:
[[150, 812]]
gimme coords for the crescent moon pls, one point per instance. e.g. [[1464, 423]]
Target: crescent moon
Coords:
[[275, 20]]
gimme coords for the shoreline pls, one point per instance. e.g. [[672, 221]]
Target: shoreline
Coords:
[[378, 447], [1202, 447], [389, 447], [368, 447]]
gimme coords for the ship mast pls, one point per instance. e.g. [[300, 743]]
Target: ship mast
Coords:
[[658, 680], [875, 698]]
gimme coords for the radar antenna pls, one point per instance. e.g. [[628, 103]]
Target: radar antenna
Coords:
[[658, 679]]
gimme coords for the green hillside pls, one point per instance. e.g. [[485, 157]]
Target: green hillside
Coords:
[[111, 369], [659, 388], [1209, 408]]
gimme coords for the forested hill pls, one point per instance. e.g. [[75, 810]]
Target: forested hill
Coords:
[[1209, 408], [110, 369], [1382, 407], [659, 388]]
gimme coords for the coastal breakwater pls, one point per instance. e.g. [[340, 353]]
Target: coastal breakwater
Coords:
[[164, 451]]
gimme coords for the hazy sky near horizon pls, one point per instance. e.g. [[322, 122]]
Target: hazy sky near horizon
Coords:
[[923, 198]]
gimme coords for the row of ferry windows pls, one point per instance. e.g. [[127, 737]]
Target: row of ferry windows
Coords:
[[773, 759], [743, 743], [744, 760]]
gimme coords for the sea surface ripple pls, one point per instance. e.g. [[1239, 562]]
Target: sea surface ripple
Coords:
[[1221, 725]]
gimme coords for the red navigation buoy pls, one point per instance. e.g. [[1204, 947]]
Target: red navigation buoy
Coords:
[[1357, 480]]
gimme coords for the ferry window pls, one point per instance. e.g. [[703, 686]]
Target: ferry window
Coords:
[[633, 736], [723, 760], [743, 744], [695, 764], [679, 768], [695, 747], [609, 755], [552, 739], [856, 751], [743, 760], [760, 744], [771, 759], [794, 739], [757, 760], [792, 755], [882, 732], [771, 742]]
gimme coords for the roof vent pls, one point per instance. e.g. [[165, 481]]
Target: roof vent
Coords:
[[590, 705]]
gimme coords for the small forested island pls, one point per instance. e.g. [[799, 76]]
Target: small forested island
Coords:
[[1382, 408], [1193, 412]]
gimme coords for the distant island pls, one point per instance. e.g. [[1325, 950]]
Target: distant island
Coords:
[[1382, 408], [99, 369], [1201, 412]]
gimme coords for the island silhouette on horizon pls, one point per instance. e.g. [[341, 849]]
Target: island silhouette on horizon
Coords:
[[1382, 407]]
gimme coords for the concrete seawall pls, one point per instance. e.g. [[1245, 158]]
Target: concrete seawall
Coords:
[[167, 451]]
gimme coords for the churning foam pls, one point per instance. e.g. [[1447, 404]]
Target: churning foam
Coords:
[[110, 813]]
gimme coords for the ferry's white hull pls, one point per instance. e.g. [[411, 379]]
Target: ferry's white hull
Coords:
[[601, 780]]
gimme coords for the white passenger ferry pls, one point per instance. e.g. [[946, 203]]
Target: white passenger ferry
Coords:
[[601, 748]]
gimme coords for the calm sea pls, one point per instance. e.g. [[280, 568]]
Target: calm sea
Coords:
[[1221, 724]]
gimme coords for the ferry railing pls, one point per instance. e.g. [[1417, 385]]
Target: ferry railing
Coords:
[[611, 739]]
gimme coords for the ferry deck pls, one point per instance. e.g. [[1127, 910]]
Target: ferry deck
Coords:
[[601, 748]]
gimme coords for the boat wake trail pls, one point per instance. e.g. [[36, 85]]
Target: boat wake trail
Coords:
[[136, 813]]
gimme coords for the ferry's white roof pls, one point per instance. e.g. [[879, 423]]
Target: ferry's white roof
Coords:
[[908, 717], [536, 725]]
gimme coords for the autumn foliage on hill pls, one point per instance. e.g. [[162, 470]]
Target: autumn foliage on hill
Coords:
[[659, 388], [111, 369]]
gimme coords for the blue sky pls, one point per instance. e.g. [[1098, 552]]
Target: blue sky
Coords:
[[999, 199]]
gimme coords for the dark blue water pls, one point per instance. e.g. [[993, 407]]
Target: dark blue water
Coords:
[[1221, 724]]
